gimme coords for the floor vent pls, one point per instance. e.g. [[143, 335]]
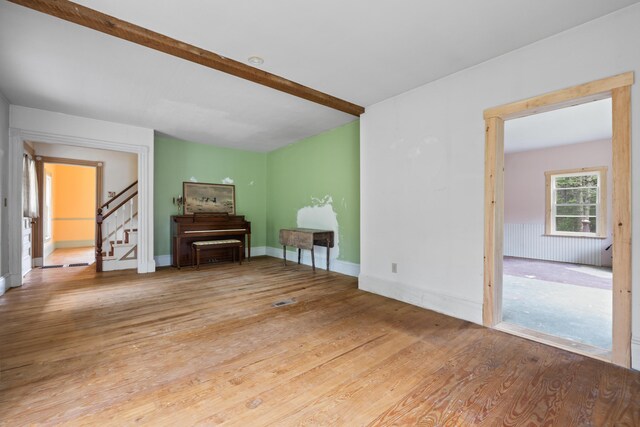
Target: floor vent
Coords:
[[77, 264], [283, 303]]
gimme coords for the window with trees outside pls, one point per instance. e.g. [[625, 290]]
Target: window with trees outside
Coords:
[[576, 202]]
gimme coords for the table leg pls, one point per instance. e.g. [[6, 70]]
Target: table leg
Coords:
[[299, 253], [313, 259], [198, 259], [328, 252], [240, 253], [284, 254], [248, 247]]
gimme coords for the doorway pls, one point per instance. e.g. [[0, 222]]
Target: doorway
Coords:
[[70, 193], [557, 276], [618, 89], [77, 133]]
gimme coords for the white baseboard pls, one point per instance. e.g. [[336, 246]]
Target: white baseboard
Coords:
[[162, 260], [259, 251], [344, 267], [635, 354], [4, 284], [12, 280], [63, 244], [448, 304], [165, 260]]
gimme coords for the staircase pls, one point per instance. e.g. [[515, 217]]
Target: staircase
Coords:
[[117, 232]]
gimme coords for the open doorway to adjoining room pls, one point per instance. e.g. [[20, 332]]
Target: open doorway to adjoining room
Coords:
[[69, 195], [557, 276], [575, 206]]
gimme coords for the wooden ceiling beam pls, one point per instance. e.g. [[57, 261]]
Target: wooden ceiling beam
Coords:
[[107, 24]]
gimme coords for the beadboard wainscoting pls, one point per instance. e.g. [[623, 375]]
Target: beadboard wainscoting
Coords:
[[529, 241]]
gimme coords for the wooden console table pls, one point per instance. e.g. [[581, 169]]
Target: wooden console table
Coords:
[[306, 238]]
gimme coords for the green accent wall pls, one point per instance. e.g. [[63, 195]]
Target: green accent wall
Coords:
[[325, 164], [270, 187], [177, 161]]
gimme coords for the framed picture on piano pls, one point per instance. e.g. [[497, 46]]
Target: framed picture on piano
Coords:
[[200, 197]]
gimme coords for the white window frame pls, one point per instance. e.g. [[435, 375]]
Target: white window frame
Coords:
[[601, 203]]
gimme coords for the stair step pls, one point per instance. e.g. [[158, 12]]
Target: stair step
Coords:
[[116, 264], [124, 245]]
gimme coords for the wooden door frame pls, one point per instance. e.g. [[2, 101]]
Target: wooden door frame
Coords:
[[38, 250], [618, 88]]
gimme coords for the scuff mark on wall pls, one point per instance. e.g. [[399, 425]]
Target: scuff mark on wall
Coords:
[[227, 180], [193, 179], [321, 215], [251, 183]]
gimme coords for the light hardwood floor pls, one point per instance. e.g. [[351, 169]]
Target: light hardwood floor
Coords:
[[207, 347], [67, 256]]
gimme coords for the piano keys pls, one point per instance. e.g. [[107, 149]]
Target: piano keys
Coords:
[[186, 229]]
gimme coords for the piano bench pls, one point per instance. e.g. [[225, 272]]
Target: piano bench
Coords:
[[236, 247]]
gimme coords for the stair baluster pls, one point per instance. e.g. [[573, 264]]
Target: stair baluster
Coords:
[[115, 236], [99, 239], [108, 243]]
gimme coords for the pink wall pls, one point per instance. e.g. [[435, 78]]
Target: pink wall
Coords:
[[524, 177]]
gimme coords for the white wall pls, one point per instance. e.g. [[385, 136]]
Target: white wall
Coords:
[[422, 165], [4, 148], [524, 198], [119, 168], [55, 128]]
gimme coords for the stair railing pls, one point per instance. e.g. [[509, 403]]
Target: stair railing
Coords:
[[101, 216]]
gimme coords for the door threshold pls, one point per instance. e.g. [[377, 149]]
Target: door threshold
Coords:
[[555, 341]]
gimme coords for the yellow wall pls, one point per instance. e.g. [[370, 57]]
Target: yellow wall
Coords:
[[74, 202]]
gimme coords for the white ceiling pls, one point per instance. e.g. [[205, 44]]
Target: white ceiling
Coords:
[[572, 125], [363, 51]]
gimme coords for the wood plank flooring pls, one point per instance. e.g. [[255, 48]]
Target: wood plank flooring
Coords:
[[71, 256], [207, 348]]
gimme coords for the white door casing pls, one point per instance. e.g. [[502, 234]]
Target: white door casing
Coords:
[[17, 137]]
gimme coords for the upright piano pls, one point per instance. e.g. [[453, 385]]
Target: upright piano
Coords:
[[186, 229]]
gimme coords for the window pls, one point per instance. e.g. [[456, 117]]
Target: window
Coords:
[[576, 202]]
